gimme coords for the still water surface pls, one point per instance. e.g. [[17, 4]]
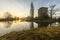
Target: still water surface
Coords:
[[10, 26]]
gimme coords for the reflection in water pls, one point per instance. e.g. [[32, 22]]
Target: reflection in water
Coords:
[[31, 25], [42, 24], [48, 25], [55, 24], [39, 25], [7, 24], [19, 26]]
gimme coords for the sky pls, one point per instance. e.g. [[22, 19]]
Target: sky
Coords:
[[21, 8]]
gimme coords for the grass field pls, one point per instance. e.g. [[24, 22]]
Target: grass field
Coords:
[[49, 33]]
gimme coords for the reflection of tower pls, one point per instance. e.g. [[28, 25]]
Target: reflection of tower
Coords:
[[32, 10], [31, 25], [42, 24]]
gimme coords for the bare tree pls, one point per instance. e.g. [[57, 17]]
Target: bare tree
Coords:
[[52, 10], [7, 15]]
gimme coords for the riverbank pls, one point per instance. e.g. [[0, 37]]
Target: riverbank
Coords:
[[51, 33]]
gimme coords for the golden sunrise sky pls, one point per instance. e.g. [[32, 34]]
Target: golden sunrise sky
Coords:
[[21, 8]]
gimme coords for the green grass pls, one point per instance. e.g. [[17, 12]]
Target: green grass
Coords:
[[52, 33]]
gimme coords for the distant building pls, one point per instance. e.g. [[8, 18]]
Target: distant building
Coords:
[[32, 10], [42, 12]]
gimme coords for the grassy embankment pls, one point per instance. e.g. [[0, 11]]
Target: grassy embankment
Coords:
[[52, 33]]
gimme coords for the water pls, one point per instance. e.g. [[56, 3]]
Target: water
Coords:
[[10, 26]]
